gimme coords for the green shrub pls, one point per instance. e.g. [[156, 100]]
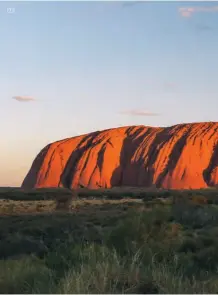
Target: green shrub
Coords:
[[25, 275], [135, 230], [195, 216]]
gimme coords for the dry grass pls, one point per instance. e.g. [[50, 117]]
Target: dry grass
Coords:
[[34, 201], [10, 207]]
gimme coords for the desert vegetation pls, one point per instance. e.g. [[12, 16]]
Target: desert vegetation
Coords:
[[108, 241]]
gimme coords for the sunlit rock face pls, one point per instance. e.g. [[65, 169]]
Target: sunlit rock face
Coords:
[[178, 157]]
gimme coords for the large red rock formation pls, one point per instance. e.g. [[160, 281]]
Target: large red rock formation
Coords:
[[179, 157]]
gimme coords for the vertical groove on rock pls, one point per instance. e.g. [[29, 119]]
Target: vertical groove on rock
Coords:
[[76, 155], [212, 165], [174, 157]]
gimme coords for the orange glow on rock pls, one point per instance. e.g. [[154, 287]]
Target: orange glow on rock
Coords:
[[179, 157]]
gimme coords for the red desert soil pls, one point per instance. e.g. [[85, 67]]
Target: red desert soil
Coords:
[[179, 157]]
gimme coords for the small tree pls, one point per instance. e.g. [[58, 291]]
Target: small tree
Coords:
[[64, 202]]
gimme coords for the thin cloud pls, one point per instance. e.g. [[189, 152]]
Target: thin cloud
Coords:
[[166, 86], [131, 3], [203, 28], [189, 11], [170, 87], [23, 98], [138, 113]]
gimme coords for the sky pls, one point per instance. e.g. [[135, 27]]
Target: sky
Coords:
[[69, 68]]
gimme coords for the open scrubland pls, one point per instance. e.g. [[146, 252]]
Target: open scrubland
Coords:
[[120, 240]]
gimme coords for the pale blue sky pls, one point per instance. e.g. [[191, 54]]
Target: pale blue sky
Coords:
[[83, 63]]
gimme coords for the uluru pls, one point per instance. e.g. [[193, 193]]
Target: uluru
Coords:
[[184, 156]]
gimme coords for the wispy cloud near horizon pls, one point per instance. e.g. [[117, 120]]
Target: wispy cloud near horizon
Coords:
[[23, 98], [138, 113], [189, 11]]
